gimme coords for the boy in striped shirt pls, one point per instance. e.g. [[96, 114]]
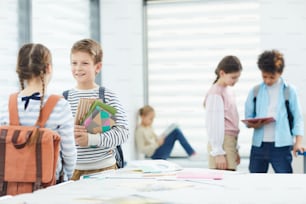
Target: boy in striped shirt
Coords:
[[95, 152]]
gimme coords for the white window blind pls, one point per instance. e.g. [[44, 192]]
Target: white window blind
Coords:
[[186, 40], [58, 24], [8, 48]]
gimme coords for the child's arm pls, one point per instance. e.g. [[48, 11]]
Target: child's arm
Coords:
[[146, 144], [249, 111], [296, 110], [297, 147], [249, 106], [215, 123], [215, 129], [119, 133], [65, 130], [298, 122], [81, 135]]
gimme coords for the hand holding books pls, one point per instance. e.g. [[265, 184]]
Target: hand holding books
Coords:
[[95, 115]]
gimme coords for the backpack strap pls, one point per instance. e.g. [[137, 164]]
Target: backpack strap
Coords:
[[118, 151], [286, 96], [287, 92], [101, 93], [44, 114], [13, 110], [255, 92], [3, 185], [47, 109], [287, 104]]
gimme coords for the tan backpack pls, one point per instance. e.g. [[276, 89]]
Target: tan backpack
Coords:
[[28, 154]]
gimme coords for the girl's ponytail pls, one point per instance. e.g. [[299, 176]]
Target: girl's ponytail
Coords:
[[228, 64]]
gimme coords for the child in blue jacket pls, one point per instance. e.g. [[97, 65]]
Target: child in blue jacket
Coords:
[[272, 142]]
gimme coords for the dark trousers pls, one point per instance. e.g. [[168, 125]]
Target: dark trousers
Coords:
[[164, 151], [279, 157]]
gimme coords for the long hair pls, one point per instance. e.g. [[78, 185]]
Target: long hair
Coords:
[[33, 60], [228, 64]]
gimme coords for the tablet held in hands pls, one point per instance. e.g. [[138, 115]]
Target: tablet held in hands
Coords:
[[261, 120]]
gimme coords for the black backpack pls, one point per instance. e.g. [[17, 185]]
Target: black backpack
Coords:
[[118, 151], [286, 95]]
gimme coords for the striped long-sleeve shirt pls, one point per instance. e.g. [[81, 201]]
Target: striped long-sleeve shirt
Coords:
[[60, 120], [102, 155]]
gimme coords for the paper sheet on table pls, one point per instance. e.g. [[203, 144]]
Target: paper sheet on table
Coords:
[[199, 175]]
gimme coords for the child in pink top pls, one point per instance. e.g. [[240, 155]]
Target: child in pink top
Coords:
[[222, 120]]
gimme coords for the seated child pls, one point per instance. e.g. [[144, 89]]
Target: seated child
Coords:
[[153, 146]]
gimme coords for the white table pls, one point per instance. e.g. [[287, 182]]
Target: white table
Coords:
[[233, 188]]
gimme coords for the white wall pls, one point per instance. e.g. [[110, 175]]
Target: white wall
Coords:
[[283, 27], [122, 71]]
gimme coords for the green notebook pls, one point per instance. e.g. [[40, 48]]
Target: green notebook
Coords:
[[97, 104]]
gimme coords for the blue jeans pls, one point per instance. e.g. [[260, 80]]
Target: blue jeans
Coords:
[[279, 157], [163, 152]]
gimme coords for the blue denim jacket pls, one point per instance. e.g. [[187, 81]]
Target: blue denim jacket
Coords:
[[283, 136]]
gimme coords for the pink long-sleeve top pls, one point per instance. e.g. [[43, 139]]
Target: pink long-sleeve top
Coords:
[[221, 117]]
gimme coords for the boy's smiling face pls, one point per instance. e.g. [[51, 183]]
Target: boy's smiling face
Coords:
[[84, 70]]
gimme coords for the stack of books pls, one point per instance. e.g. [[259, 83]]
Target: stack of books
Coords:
[[95, 115]]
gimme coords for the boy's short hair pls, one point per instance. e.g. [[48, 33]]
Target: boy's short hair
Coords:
[[89, 46], [271, 62]]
